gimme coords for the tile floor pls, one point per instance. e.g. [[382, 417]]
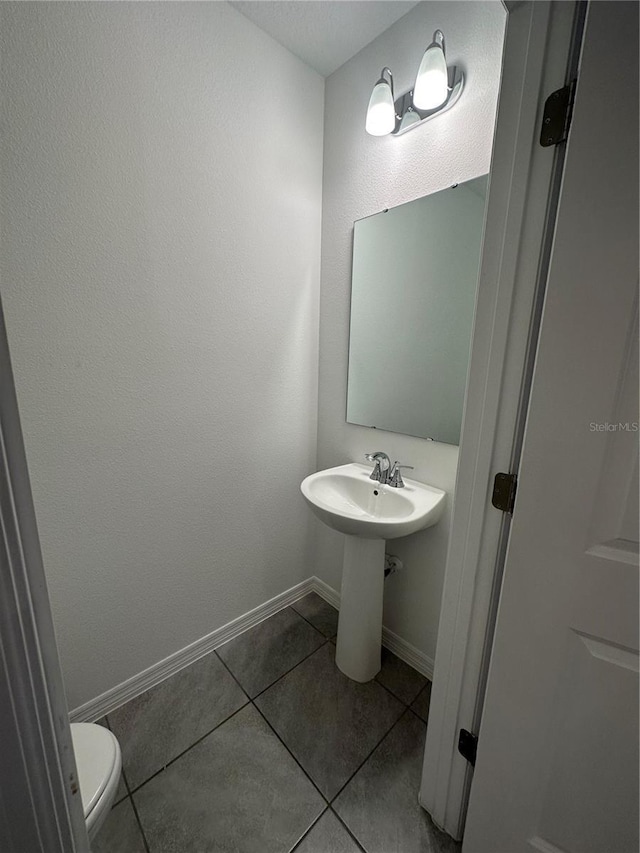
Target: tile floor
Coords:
[[265, 747]]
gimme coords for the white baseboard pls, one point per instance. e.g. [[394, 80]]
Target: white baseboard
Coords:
[[137, 684], [327, 592], [408, 653], [401, 648]]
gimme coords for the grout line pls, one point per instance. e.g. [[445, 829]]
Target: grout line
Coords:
[[280, 677], [395, 695], [215, 652], [126, 784], [293, 607], [311, 623], [302, 660], [362, 763], [390, 691], [304, 619], [307, 831], [411, 708], [416, 714], [139, 822], [292, 755], [334, 812], [184, 751]]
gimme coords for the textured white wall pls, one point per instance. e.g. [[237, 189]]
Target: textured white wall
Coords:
[[363, 175], [160, 272]]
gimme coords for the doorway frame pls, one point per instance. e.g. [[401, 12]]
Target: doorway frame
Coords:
[[540, 46], [40, 803]]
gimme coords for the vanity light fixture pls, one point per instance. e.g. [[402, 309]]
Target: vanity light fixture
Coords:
[[437, 88]]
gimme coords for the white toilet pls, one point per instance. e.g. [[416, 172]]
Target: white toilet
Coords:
[[99, 763]]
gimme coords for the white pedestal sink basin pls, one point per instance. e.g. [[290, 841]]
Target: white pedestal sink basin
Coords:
[[368, 513]]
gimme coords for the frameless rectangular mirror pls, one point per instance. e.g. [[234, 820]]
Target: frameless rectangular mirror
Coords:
[[413, 289]]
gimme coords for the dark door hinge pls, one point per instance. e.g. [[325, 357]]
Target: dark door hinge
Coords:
[[468, 746], [504, 492], [556, 118]]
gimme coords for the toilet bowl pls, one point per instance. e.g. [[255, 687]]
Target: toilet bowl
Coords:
[[99, 763]]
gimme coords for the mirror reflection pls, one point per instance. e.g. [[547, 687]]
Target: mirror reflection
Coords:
[[415, 272]]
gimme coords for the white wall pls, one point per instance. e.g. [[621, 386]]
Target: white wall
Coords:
[[160, 271], [363, 175]]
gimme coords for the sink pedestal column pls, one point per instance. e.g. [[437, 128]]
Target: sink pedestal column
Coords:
[[360, 621]]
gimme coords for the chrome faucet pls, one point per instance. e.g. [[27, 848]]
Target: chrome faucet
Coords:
[[384, 472], [382, 464]]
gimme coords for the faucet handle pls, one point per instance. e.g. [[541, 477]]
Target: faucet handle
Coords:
[[395, 477]]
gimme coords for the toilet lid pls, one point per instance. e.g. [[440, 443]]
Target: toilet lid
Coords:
[[96, 751]]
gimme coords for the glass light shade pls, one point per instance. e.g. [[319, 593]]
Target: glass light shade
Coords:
[[431, 89], [381, 114], [409, 118]]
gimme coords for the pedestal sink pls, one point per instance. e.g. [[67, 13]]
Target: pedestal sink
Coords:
[[346, 499]]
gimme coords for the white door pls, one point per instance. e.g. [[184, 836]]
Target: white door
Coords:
[[557, 765]]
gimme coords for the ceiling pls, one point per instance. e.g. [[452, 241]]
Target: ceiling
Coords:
[[324, 33]]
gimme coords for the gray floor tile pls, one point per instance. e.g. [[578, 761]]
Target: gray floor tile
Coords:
[[156, 727], [237, 790], [421, 704], [261, 655], [400, 678], [120, 832], [329, 722], [316, 610], [380, 804], [328, 836]]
